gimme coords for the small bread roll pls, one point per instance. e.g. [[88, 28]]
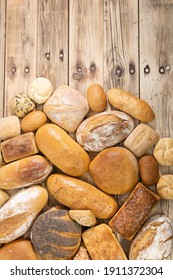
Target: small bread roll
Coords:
[[149, 170], [163, 151], [32, 121], [22, 104], [40, 89], [9, 127], [142, 138], [3, 197], [83, 217], [96, 98], [165, 186]]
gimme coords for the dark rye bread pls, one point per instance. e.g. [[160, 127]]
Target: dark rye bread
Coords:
[[55, 236]]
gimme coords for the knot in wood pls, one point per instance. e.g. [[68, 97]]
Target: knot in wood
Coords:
[[76, 76], [161, 70], [93, 67], [118, 71], [13, 70], [132, 69], [147, 69], [27, 69], [47, 55], [79, 69]]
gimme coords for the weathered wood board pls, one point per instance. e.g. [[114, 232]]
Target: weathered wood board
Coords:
[[117, 43]]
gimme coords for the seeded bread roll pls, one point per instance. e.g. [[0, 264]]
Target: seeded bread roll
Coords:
[[134, 211], [9, 127], [40, 89], [55, 236], [22, 104], [131, 104]]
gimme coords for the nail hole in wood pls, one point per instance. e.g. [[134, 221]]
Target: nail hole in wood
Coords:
[[79, 69], [27, 69], [93, 67], [132, 69], [147, 69], [161, 70], [61, 55], [118, 71], [76, 76], [167, 67], [13, 70], [47, 55]]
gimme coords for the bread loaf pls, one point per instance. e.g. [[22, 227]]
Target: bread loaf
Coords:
[[66, 107], [85, 218], [153, 241], [82, 253], [55, 236], [9, 127], [21, 104], [19, 147], [131, 104], [79, 195], [104, 130], [39, 90], [96, 98], [142, 138], [135, 210], [149, 170], [3, 197], [20, 249], [115, 170], [102, 244], [19, 212], [165, 186], [24, 172], [163, 151], [33, 120], [62, 150]]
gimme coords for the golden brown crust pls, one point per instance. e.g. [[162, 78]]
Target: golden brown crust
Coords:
[[149, 170], [96, 97], [33, 121]]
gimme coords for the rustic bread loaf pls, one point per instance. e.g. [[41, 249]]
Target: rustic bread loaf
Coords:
[[102, 244], [33, 120], [165, 186], [115, 170], [96, 97], [131, 104], [142, 138], [19, 212], [20, 249], [3, 197], [40, 89], [82, 253], [9, 127], [55, 236], [79, 195], [135, 210], [19, 147], [163, 151], [66, 107], [62, 150], [25, 172], [104, 130], [21, 104], [149, 170], [85, 218], [153, 241]]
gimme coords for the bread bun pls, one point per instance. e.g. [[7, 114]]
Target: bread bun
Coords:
[[165, 186], [149, 170], [21, 104], [40, 89], [163, 151], [33, 120], [82, 253], [131, 104], [115, 170], [55, 236], [104, 130], [96, 97], [9, 127], [85, 218]]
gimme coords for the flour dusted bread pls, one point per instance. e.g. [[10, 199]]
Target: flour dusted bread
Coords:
[[133, 213], [20, 249], [79, 195], [131, 104], [66, 107], [55, 236], [19, 212], [102, 244], [104, 130], [9, 127], [153, 241], [40, 89], [115, 170], [163, 151], [25, 172], [62, 150]]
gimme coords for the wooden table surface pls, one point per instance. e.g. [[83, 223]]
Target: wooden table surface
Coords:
[[117, 43]]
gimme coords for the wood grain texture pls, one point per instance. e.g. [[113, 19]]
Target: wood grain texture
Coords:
[[21, 34], [2, 54], [156, 69], [52, 51]]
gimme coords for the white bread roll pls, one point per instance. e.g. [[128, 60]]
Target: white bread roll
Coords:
[[40, 89], [163, 151], [9, 127]]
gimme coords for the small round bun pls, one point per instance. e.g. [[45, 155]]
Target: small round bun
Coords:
[[163, 151], [40, 89], [165, 186]]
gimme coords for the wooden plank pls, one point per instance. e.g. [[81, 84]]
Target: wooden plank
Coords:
[[52, 55], [85, 43], [156, 68], [2, 54], [21, 35]]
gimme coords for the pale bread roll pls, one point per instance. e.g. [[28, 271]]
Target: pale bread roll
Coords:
[[9, 127], [165, 186], [40, 89], [83, 217], [163, 151]]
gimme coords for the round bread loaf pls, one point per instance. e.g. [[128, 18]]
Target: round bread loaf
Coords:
[[165, 186], [115, 170], [40, 89], [148, 169], [55, 236], [33, 121], [96, 97], [163, 151]]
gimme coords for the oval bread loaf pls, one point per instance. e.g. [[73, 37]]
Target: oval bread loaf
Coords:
[[79, 195], [96, 97], [153, 241], [104, 130], [25, 172], [19, 212], [131, 104], [149, 170], [62, 150], [55, 236], [33, 121]]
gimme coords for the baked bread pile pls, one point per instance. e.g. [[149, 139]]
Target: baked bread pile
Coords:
[[85, 157]]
